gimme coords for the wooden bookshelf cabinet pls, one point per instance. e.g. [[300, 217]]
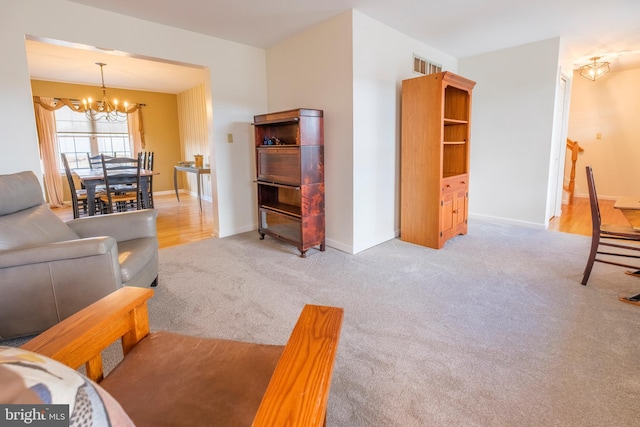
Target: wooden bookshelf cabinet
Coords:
[[435, 138], [290, 177]]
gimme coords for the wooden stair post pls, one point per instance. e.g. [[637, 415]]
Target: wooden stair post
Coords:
[[575, 148]]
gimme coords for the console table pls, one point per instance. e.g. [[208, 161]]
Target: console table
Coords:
[[190, 169]]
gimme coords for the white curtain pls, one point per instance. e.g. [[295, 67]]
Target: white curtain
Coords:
[[136, 131], [46, 124]]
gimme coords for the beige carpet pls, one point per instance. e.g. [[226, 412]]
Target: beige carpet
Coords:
[[493, 330]]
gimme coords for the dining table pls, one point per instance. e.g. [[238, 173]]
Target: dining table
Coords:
[[630, 208], [91, 178]]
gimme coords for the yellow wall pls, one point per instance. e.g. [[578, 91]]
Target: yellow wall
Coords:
[[160, 117]]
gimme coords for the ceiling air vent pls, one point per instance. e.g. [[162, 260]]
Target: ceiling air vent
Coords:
[[424, 66]]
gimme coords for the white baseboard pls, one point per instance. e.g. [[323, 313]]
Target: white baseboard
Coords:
[[490, 218], [182, 191]]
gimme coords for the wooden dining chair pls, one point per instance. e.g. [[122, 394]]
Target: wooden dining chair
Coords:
[[122, 181], [147, 163], [623, 239], [78, 195], [95, 162]]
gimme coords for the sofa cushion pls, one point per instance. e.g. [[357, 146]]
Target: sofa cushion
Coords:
[[30, 378], [19, 191], [145, 249], [33, 226], [170, 379]]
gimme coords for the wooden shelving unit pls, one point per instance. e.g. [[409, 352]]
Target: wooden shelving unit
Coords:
[[434, 181], [290, 177]]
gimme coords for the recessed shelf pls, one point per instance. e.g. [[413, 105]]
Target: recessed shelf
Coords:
[[454, 142]]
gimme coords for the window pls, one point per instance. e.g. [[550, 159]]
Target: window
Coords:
[[77, 136]]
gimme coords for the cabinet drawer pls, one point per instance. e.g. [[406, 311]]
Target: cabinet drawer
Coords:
[[279, 165], [455, 183]]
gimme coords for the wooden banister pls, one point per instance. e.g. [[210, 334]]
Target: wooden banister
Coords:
[[575, 149]]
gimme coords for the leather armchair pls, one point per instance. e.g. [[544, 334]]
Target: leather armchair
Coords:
[[50, 269]]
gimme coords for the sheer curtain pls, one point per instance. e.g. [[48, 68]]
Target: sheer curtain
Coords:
[[136, 131], [46, 124]]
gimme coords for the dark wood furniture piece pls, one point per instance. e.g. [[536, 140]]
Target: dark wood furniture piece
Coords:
[[290, 177], [95, 162], [434, 179], [147, 163], [622, 239], [122, 184], [171, 379], [93, 180], [78, 196]]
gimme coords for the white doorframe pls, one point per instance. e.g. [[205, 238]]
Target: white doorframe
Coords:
[[558, 148]]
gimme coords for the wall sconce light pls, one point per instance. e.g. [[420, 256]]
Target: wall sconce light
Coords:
[[594, 70]]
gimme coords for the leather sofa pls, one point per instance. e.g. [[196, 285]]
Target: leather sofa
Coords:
[[50, 269]]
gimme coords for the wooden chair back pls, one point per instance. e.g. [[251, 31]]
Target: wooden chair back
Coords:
[[122, 182], [95, 162], [72, 187], [147, 163], [608, 242], [596, 219]]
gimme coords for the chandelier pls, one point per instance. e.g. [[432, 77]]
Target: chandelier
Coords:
[[594, 70], [105, 109]]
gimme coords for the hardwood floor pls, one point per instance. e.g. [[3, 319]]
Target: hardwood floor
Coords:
[[576, 217], [177, 223]]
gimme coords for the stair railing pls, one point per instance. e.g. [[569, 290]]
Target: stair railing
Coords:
[[574, 148]]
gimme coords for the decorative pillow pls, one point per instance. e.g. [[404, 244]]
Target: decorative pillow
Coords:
[[50, 382]]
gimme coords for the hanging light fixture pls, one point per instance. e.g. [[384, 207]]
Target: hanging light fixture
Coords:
[[594, 70], [105, 109]]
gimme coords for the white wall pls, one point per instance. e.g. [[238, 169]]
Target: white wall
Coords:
[[382, 58], [314, 70], [511, 131], [352, 66], [609, 106], [237, 89]]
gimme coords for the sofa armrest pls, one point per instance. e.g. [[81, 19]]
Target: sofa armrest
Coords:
[[121, 226], [58, 251], [298, 392]]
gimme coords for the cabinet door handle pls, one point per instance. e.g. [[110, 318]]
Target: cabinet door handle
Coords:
[[456, 211], [448, 185], [464, 182]]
